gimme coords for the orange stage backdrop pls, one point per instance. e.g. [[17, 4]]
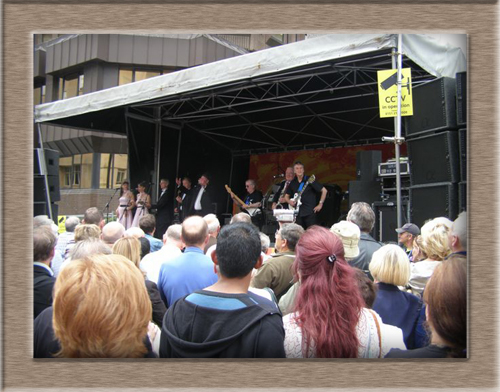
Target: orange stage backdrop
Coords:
[[329, 165]]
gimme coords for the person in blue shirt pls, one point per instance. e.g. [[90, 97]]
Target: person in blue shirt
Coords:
[[148, 224], [192, 270]]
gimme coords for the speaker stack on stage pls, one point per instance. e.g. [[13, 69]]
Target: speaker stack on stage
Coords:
[[330, 213], [437, 149], [40, 203], [386, 221], [366, 187]]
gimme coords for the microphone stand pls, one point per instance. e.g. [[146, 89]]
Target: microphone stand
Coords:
[[106, 207]]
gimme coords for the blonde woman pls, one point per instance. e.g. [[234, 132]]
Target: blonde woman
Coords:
[[417, 253], [130, 247], [436, 246], [101, 310], [390, 268]]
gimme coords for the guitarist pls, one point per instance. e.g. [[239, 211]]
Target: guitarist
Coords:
[[279, 197], [253, 199], [308, 209]]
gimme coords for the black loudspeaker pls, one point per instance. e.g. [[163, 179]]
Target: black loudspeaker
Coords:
[[386, 220], [462, 145], [39, 194], [462, 197], [40, 208], [461, 78], [51, 160], [330, 212], [367, 165], [270, 229], [433, 200], [434, 107], [434, 158], [367, 191]]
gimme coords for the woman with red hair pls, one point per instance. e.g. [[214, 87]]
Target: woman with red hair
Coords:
[[329, 318]]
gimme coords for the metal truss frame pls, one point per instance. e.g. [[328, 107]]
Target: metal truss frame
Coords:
[[254, 111]]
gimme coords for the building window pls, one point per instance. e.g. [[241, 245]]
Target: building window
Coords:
[[141, 75], [66, 177], [121, 175], [120, 168], [75, 171], [130, 75], [71, 86], [113, 171], [126, 76], [39, 95]]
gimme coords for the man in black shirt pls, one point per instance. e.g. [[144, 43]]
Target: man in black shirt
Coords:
[[308, 208]]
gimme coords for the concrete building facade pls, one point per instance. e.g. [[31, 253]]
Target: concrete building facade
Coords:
[[93, 164]]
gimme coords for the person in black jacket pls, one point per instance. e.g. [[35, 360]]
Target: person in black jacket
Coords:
[[225, 320], [201, 197], [44, 243], [279, 200], [163, 210], [183, 198]]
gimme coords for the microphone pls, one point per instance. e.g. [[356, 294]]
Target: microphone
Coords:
[[278, 175]]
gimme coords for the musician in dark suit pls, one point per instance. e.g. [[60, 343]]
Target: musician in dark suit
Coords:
[[163, 210], [252, 202], [201, 197], [308, 200], [44, 244], [183, 199], [279, 197]]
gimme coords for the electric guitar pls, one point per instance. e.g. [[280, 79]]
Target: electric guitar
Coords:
[[251, 211], [298, 195]]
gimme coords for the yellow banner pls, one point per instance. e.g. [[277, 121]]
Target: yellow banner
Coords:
[[388, 92]]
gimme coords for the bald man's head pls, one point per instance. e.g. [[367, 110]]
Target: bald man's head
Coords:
[[194, 231], [112, 232]]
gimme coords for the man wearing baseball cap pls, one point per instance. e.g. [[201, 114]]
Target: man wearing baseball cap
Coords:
[[406, 236]]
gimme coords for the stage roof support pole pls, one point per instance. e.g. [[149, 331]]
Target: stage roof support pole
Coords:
[[229, 203], [397, 139], [42, 164], [179, 142], [156, 178]]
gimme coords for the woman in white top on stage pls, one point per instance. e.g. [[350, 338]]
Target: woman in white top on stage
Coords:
[[143, 204], [126, 205]]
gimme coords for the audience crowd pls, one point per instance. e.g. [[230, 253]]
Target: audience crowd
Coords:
[[104, 291]]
